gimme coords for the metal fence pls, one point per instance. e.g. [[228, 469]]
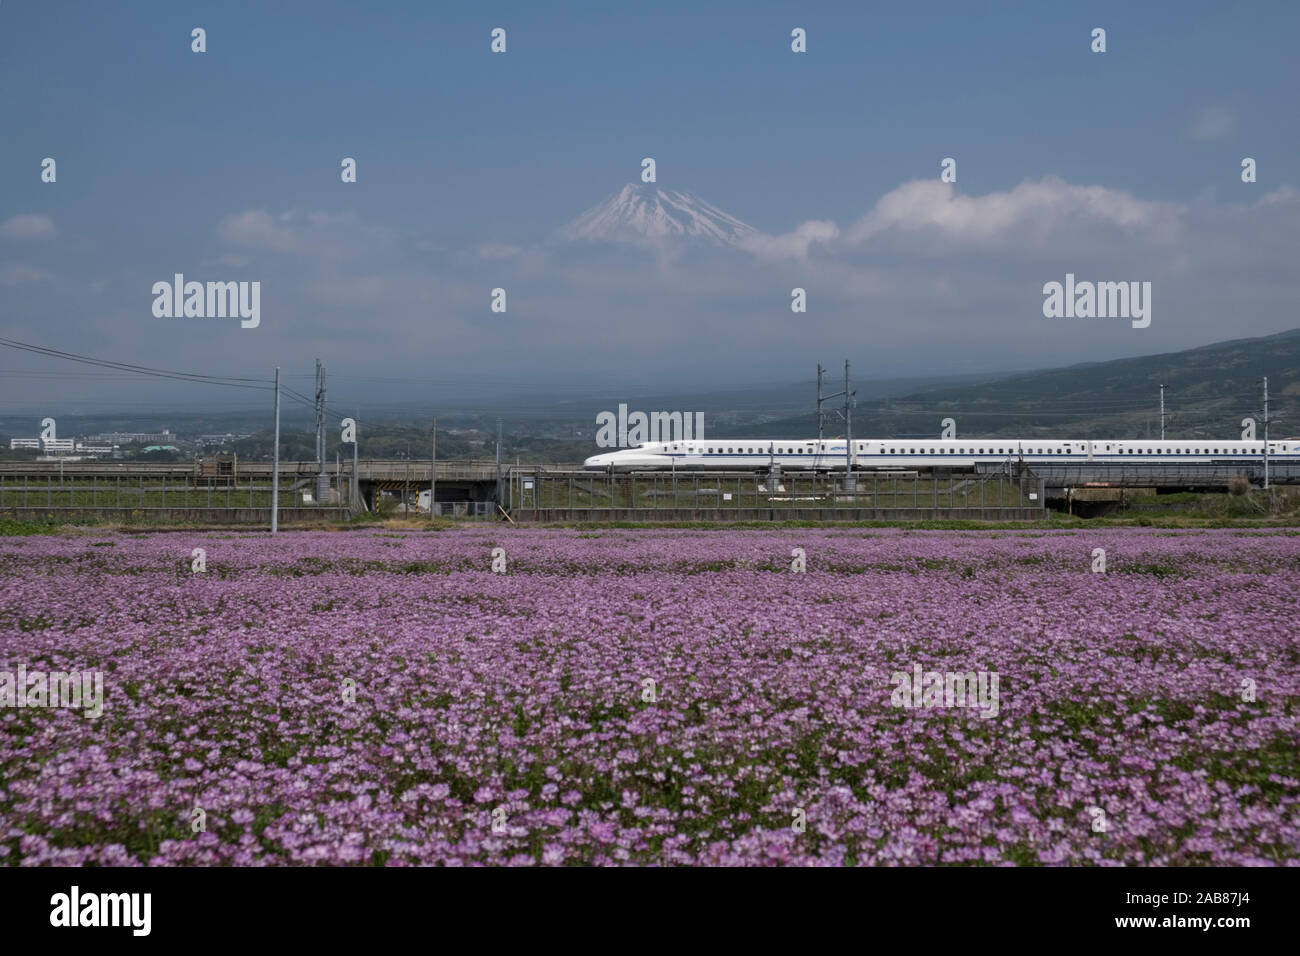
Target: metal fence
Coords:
[[1161, 475], [146, 493], [660, 495]]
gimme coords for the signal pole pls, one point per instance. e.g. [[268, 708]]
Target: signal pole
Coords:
[[433, 473]]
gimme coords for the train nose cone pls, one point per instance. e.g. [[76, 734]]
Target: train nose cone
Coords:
[[596, 461]]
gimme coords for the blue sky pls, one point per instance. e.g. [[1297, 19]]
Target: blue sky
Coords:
[[225, 166]]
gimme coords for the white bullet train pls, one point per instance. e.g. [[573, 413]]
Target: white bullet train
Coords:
[[758, 454]]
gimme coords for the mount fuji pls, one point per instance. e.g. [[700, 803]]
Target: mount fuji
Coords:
[[642, 211]]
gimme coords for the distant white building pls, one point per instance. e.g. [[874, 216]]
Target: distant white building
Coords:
[[24, 443], [59, 446]]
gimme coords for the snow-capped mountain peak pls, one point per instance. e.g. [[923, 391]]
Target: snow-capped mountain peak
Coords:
[[644, 211]]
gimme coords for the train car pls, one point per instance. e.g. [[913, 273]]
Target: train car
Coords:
[[751, 454]]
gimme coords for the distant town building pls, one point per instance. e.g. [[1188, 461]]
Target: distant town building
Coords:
[[122, 438], [24, 443], [59, 446]]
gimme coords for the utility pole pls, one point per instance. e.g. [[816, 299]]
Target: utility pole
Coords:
[[846, 414], [820, 373], [1266, 432], [850, 483], [433, 473], [275, 459], [1162, 413], [356, 481], [322, 479], [498, 463]]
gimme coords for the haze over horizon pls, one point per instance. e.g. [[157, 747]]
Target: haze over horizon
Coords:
[[473, 167]]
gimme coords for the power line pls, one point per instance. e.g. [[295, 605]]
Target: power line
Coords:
[[226, 380]]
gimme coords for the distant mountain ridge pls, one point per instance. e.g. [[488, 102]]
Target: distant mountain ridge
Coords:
[[1208, 391]]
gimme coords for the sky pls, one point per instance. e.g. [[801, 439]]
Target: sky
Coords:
[[225, 166]]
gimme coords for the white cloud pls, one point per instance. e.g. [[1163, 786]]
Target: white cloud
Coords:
[[791, 245], [1212, 124], [28, 226], [1033, 207], [497, 250], [15, 273], [257, 229], [1283, 194], [319, 235]]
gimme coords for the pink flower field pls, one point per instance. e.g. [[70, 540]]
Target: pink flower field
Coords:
[[654, 697]]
